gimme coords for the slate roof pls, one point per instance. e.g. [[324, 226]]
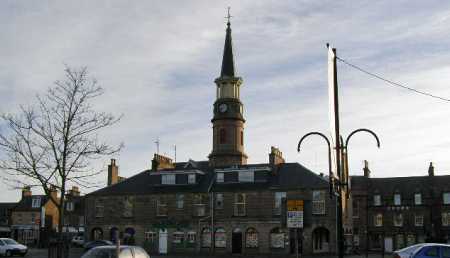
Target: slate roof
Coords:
[[228, 58], [25, 204], [289, 176]]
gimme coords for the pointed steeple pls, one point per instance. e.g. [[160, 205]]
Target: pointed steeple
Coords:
[[228, 58]]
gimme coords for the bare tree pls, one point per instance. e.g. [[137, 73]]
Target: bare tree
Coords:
[[55, 142]]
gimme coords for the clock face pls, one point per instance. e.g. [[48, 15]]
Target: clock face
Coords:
[[223, 108]]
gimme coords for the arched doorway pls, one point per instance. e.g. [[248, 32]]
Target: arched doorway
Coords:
[[236, 241], [96, 234], [321, 240]]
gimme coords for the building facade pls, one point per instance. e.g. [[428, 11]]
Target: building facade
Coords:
[[391, 213], [5, 218], [220, 205]]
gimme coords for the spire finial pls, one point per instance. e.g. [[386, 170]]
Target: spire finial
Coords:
[[228, 17]]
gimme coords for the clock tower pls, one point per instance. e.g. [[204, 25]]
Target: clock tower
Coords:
[[228, 120]]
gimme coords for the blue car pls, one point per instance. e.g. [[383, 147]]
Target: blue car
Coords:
[[427, 251]]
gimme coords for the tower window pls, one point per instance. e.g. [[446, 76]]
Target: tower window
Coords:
[[222, 136], [242, 138]]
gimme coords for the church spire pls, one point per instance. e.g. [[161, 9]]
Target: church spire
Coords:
[[228, 58]]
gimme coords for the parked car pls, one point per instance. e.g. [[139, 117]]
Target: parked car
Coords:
[[77, 241], [9, 247], [95, 243], [111, 252], [427, 250]]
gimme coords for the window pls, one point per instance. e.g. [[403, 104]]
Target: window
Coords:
[[277, 238], [191, 179], [397, 199], [220, 238], [127, 207], [251, 238], [69, 206], [398, 220], [178, 237], [199, 205], [418, 199], [150, 236], [33, 217], [242, 138], [191, 237], [99, 208], [246, 176], [239, 204], [220, 178], [219, 200], [161, 206], [168, 179], [446, 219], [81, 221], [378, 220], [279, 196], [318, 203], [222, 136], [400, 241], [36, 202], [433, 251], [206, 237], [410, 240], [418, 220], [377, 200], [355, 208], [179, 201], [446, 198]]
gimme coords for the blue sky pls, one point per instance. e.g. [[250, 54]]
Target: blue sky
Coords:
[[157, 61]]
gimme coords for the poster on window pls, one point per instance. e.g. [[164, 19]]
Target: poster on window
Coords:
[[294, 214]]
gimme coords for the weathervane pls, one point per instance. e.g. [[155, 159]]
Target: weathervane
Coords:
[[228, 16]]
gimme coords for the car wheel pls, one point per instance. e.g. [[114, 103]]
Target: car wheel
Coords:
[[8, 253]]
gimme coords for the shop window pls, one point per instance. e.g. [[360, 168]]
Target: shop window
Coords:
[[378, 220], [219, 201], [179, 199], [239, 204], [220, 238], [251, 238], [277, 238], [206, 237], [318, 202], [278, 201]]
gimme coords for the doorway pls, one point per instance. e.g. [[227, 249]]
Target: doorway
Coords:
[[292, 239], [163, 241], [236, 241]]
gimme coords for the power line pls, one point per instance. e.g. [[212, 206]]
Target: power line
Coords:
[[391, 82]]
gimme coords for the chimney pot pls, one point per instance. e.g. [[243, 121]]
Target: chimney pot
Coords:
[[431, 169]]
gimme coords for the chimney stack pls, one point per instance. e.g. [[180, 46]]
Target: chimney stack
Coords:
[[74, 191], [113, 173], [26, 191], [431, 169], [275, 156], [161, 162], [366, 169]]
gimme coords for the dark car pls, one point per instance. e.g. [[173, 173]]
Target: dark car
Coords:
[[95, 243], [111, 252]]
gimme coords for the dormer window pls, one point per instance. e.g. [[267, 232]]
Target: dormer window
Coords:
[[36, 203], [397, 199], [246, 176], [446, 198], [191, 179], [418, 199], [168, 179]]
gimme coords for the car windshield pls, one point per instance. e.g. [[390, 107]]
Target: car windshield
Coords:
[[10, 242], [101, 253], [410, 249]]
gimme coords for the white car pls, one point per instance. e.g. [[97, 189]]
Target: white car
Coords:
[[9, 247], [78, 241], [111, 252]]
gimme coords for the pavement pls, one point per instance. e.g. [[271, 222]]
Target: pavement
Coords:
[[77, 252]]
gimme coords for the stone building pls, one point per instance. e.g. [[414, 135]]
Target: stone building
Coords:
[[220, 205], [74, 220], [5, 218], [391, 213]]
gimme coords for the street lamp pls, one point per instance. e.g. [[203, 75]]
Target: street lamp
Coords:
[[337, 185]]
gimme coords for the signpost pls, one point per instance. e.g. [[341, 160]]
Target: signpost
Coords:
[[295, 218]]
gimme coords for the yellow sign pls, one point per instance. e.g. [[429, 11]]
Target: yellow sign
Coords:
[[295, 205]]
